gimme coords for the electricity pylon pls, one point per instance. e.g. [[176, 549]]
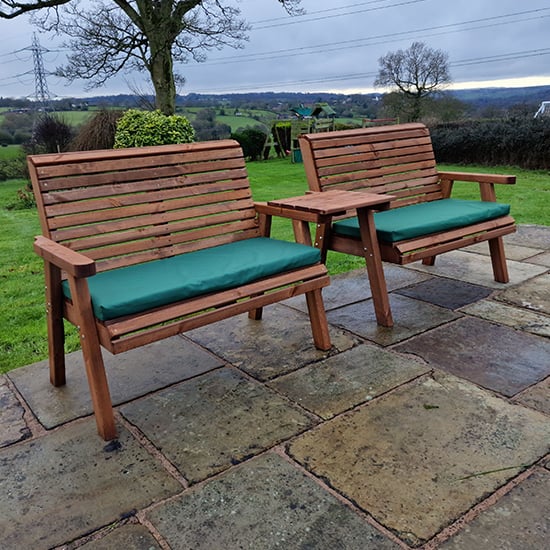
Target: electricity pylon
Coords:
[[41, 91]]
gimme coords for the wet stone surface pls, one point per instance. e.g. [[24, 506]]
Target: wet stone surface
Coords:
[[512, 251], [410, 317], [495, 357], [264, 504], [446, 293], [127, 537], [476, 269], [65, 485], [281, 342], [209, 423], [353, 286], [519, 520], [12, 424], [535, 236], [533, 294], [130, 374], [537, 397], [515, 317], [420, 457], [344, 381], [540, 259]]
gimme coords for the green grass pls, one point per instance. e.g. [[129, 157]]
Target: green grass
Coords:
[[22, 315], [10, 152]]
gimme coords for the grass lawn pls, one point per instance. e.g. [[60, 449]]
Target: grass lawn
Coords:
[[22, 319]]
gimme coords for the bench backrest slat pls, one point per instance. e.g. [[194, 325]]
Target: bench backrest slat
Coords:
[[397, 160], [126, 206]]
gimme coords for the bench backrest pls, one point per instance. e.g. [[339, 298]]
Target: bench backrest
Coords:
[[127, 206], [396, 160]]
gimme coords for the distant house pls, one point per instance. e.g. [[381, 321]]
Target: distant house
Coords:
[[319, 110]]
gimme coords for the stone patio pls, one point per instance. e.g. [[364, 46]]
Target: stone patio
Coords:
[[241, 435]]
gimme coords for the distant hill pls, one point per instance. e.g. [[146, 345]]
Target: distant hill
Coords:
[[504, 97]]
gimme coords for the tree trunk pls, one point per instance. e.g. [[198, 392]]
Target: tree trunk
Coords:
[[162, 76]]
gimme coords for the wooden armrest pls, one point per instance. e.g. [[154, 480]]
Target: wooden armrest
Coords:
[[68, 260], [478, 178], [290, 213]]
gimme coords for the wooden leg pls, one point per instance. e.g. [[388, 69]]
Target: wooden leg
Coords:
[[93, 360], [429, 261], [56, 330], [375, 270], [255, 314], [498, 259], [322, 235], [318, 319], [301, 232]]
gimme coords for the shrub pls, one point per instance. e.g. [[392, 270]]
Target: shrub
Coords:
[[98, 132], [14, 168], [5, 138], [522, 142], [141, 128], [51, 134], [252, 141]]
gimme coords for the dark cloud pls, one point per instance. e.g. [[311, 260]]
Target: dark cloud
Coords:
[[336, 46]]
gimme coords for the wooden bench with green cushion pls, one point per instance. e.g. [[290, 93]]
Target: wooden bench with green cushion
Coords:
[[145, 243], [423, 220]]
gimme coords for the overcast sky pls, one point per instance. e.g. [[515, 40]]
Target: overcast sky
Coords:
[[335, 46]]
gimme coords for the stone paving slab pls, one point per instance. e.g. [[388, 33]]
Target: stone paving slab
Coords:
[[447, 293], [206, 424], [541, 259], [12, 424], [353, 286], [60, 487], [127, 537], [495, 357], [513, 251], [410, 317], [281, 342], [420, 457], [519, 520], [476, 269], [515, 317], [533, 294], [264, 504], [537, 397], [535, 236], [346, 380], [131, 374]]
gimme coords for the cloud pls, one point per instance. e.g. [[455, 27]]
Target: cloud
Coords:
[[335, 46]]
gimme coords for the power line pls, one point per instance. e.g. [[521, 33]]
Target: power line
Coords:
[[318, 11], [365, 75], [363, 42], [292, 21]]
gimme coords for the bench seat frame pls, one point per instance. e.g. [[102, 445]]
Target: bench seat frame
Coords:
[[200, 180], [399, 160]]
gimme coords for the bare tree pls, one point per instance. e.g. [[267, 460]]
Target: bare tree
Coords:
[[415, 73], [114, 36]]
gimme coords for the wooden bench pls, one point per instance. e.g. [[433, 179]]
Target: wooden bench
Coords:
[[422, 221], [142, 244]]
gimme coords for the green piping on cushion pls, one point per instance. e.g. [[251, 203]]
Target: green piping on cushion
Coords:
[[417, 220], [136, 288]]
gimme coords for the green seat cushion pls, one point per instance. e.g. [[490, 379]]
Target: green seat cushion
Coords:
[[425, 218], [136, 288]]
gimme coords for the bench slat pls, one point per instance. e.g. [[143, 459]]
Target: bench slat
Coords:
[[142, 226]]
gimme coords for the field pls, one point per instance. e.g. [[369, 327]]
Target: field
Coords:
[[23, 334]]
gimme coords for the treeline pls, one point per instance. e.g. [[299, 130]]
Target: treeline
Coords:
[[522, 142]]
